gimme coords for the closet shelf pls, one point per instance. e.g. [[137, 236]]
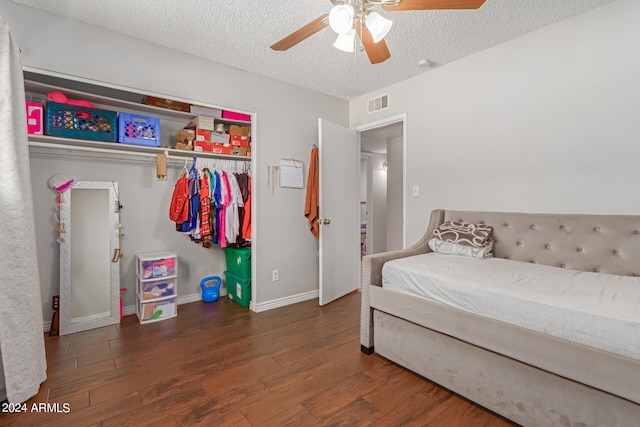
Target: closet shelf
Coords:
[[120, 104], [119, 148]]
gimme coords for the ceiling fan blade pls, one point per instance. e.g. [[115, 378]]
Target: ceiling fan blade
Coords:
[[302, 33], [377, 52], [436, 4]]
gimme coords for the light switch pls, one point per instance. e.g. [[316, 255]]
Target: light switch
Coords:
[[416, 190]]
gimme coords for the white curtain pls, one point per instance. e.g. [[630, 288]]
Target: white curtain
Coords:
[[21, 335]]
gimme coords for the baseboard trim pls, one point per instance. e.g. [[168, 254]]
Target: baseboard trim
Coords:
[[265, 306], [131, 309], [282, 302]]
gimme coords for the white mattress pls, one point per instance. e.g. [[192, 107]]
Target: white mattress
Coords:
[[595, 309]]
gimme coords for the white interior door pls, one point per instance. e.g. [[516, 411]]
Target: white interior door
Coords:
[[339, 199]]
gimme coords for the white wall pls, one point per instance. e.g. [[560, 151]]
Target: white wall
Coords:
[[286, 127], [364, 172], [394, 194], [379, 205], [545, 123]]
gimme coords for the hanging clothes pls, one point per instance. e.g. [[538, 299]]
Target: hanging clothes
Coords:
[[311, 207], [225, 193], [212, 217], [232, 223], [217, 203], [190, 226], [209, 206], [179, 209], [205, 207], [244, 190]]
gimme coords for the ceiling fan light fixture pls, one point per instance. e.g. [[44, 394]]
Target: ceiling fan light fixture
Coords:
[[341, 18], [345, 41], [378, 26]]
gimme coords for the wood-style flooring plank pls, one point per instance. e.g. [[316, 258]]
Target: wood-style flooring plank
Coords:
[[237, 374], [220, 364], [294, 372], [421, 409], [394, 392], [293, 417], [271, 405], [97, 413], [203, 416], [358, 412], [345, 391]]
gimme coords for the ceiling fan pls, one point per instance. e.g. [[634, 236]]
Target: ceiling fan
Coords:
[[350, 17]]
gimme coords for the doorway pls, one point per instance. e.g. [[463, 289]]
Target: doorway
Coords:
[[382, 184]]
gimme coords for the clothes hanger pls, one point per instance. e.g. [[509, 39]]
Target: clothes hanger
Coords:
[[193, 171], [184, 168]]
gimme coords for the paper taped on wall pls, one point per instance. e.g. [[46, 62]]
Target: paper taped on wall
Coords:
[[291, 173]]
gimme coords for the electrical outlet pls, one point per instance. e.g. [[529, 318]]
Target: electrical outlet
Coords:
[[275, 275]]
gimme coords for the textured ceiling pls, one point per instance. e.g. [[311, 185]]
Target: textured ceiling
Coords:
[[238, 33]]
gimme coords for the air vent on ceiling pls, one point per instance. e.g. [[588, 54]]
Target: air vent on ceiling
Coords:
[[377, 104]]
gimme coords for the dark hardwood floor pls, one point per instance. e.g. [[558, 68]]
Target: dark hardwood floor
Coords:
[[219, 364]]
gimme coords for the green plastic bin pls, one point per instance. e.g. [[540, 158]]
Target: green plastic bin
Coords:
[[238, 289], [238, 261]]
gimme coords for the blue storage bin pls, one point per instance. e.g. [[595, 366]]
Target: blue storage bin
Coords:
[[138, 130]]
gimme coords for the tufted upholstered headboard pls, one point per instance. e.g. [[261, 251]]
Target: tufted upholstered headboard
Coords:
[[599, 243]]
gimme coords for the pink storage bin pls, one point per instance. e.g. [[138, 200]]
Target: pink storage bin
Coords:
[[231, 115], [35, 118]]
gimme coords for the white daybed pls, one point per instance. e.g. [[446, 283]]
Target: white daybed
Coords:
[[537, 371]]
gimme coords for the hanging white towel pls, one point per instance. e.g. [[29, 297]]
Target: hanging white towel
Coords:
[[21, 332]]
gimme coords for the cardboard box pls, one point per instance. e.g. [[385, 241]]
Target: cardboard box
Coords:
[[206, 111], [232, 115], [239, 151], [166, 103], [203, 135], [203, 122], [35, 118], [222, 138], [211, 147], [220, 148], [239, 141], [240, 130], [202, 146]]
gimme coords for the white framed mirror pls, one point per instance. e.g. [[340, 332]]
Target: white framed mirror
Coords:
[[89, 263]]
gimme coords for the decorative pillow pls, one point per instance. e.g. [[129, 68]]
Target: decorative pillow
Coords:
[[474, 235], [449, 248]]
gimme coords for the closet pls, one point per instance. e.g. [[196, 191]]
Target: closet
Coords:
[[146, 198]]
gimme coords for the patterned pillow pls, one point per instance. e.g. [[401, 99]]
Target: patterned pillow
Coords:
[[474, 235], [449, 248]]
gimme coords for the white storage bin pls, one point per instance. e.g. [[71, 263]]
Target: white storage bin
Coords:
[[157, 289], [157, 310]]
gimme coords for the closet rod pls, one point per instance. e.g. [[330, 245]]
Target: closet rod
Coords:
[[102, 150]]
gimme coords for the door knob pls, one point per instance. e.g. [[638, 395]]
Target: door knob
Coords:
[[326, 221]]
